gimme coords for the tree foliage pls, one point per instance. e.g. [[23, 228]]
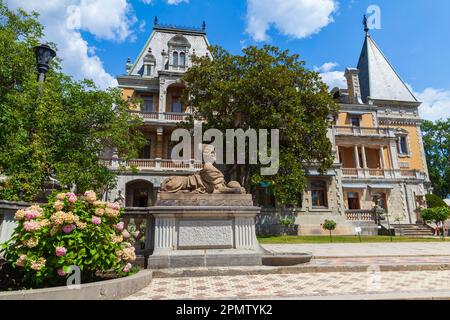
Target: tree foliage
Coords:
[[436, 139], [434, 201], [266, 88], [438, 214], [57, 129]]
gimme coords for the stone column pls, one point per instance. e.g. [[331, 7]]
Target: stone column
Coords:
[[165, 232], [382, 162], [357, 157], [159, 142], [364, 159], [245, 236]]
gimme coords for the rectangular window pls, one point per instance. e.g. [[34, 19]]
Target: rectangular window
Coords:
[[148, 104], [146, 151], [353, 201], [319, 194], [355, 121], [149, 70], [403, 145], [176, 104]]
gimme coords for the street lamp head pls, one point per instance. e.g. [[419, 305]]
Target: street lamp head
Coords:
[[44, 56]]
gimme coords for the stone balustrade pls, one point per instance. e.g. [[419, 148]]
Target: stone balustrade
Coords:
[[362, 131], [383, 173], [153, 164], [360, 215], [161, 116]]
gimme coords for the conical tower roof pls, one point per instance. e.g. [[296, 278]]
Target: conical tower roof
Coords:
[[378, 79]]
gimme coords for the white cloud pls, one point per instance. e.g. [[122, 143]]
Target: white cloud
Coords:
[[293, 18], [435, 104], [64, 20], [174, 2], [331, 77]]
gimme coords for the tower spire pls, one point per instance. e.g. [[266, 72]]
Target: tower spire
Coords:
[[366, 26]]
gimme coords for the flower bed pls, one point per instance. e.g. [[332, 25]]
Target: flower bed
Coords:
[[70, 231]]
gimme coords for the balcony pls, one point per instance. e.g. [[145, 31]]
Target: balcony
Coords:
[[152, 165], [167, 117], [383, 173], [362, 132]]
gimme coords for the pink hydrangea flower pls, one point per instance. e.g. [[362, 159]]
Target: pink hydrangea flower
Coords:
[[127, 268], [90, 196], [96, 220], [69, 228], [125, 234], [72, 197], [60, 251], [61, 272], [30, 214], [30, 226], [113, 205], [120, 226]]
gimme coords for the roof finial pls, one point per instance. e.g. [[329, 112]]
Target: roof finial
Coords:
[[156, 21], [204, 25], [366, 26]]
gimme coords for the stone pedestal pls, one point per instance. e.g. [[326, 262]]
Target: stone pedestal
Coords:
[[199, 230]]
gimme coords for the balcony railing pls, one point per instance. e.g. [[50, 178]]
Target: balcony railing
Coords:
[[161, 116], [153, 164], [360, 215], [383, 173], [362, 131]]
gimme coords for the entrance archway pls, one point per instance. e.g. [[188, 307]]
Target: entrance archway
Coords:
[[139, 193]]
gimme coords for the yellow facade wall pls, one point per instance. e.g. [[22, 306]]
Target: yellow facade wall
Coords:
[[366, 120]]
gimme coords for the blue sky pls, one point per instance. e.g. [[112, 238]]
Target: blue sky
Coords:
[[328, 34]]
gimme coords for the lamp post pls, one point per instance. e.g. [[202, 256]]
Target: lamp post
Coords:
[[44, 56]]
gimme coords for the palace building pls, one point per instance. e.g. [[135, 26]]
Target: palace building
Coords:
[[376, 139]]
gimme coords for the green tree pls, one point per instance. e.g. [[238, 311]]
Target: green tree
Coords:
[[57, 129], [436, 139], [434, 201], [329, 225], [266, 88]]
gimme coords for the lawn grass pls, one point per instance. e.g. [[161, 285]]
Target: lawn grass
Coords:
[[341, 239]]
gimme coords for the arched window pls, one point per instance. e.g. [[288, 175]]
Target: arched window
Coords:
[[175, 58], [182, 59]]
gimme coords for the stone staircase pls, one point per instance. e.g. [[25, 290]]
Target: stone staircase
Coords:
[[413, 230]]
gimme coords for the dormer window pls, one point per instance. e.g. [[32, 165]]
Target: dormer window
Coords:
[[149, 64], [179, 48]]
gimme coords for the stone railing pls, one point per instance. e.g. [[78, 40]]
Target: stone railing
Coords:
[[153, 164], [138, 222], [362, 131], [161, 116], [383, 173], [360, 215]]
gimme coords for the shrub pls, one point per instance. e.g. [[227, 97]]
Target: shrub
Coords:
[[436, 215], [69, 231], [287, 222], [434, 201]]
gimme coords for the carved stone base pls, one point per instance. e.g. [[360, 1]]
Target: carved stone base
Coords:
[[204, 230]]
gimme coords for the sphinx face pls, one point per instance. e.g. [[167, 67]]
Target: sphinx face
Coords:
[[209, 154]]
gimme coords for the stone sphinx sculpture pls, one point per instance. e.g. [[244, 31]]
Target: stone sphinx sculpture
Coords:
[[208, 180]]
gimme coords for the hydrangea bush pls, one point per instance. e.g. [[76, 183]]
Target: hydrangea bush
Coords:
[[70, 231]]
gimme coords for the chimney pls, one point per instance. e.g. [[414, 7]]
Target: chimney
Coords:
[[354, 89]]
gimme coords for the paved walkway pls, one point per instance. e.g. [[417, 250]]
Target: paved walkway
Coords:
[[369, 284], [366, 249], [305, 285]]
